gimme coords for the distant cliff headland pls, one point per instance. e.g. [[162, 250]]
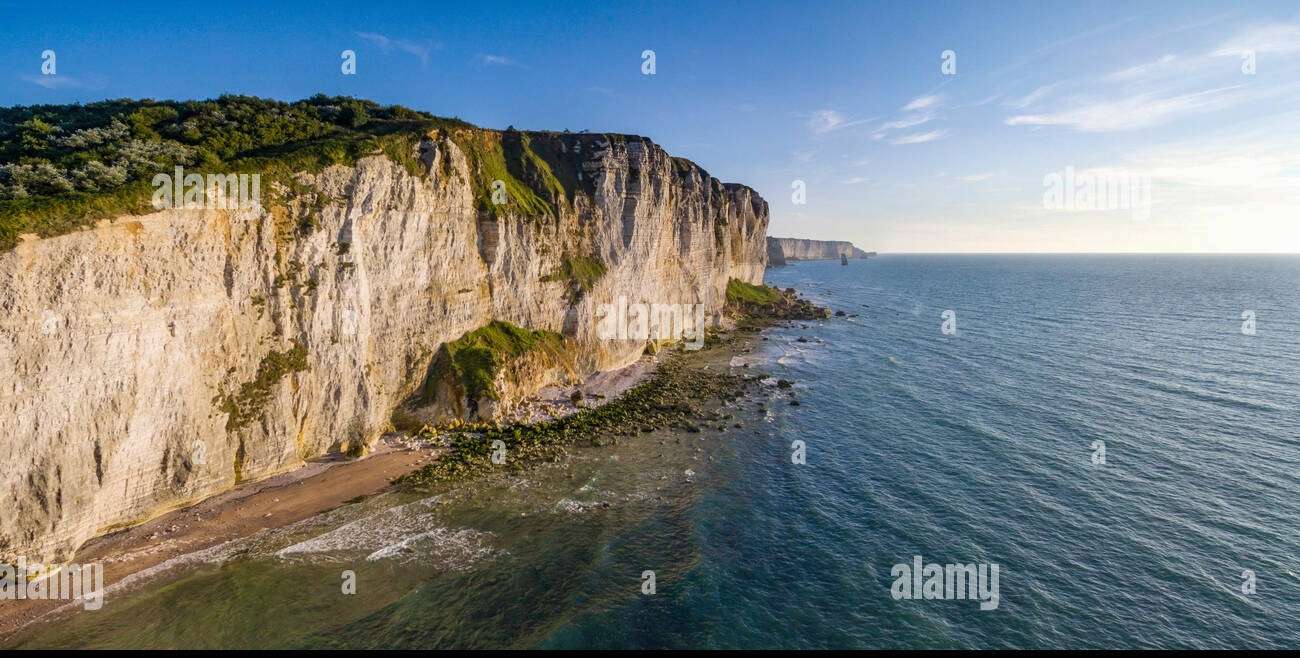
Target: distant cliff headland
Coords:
[[780, 250]]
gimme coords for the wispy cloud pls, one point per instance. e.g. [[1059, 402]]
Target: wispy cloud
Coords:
[[1033, 96], [824, 121], [916, 112], [855, 180], [421, 50], [919, 138], [55, 81], [1133, 112], [485, 59], [975, 178], [922, 103], [1162, 66], [1170, 87], [1036, 58], [1271, 38], [906, 122]]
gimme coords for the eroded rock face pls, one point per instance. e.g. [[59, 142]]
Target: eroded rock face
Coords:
[[157, 360], [780, 250]]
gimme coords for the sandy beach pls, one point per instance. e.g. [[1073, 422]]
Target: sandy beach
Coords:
[[302, 493], [316, 487]]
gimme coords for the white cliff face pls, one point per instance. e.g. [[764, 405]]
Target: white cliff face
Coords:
[[780, 250], [157, 360]]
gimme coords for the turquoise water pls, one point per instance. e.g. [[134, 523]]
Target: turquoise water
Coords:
[[974, 447]]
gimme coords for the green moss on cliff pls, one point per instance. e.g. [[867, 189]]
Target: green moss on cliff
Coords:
[[755, 306], [671, 397], [528, 186], [740, 293], [582, 271], [476, 358], [248, 404]]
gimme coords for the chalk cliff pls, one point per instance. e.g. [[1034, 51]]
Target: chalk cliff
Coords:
[[780, 250], [155, 360]]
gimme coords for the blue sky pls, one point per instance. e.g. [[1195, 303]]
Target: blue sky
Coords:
[[846, 97]]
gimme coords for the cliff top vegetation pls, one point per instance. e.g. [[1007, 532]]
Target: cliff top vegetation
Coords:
[[63, 167]]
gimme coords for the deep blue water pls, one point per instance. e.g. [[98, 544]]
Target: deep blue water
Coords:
[[978, 447], [966, 448]]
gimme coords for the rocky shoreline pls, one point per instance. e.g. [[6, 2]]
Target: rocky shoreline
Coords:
[[669, 398]]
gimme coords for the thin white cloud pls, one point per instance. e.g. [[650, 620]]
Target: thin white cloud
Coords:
[[906, 122], [975, 178], [1036, 58], [486, 59], [1033, 96], [855, 180], [1172, 86], [919, 138], [1271, 38], [55, 81], [824, 121], [918, 111], [1133, 112], [388, 44], [985, 101], [922, 103], [1162, 66]]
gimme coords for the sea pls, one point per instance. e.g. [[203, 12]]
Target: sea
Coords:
[[1117, 436]]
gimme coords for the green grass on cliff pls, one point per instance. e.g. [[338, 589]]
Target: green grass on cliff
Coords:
[[477, 357], [740, 293], [582, 271], [250, 401], [672, 396], [530, 186], [64, 167]]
